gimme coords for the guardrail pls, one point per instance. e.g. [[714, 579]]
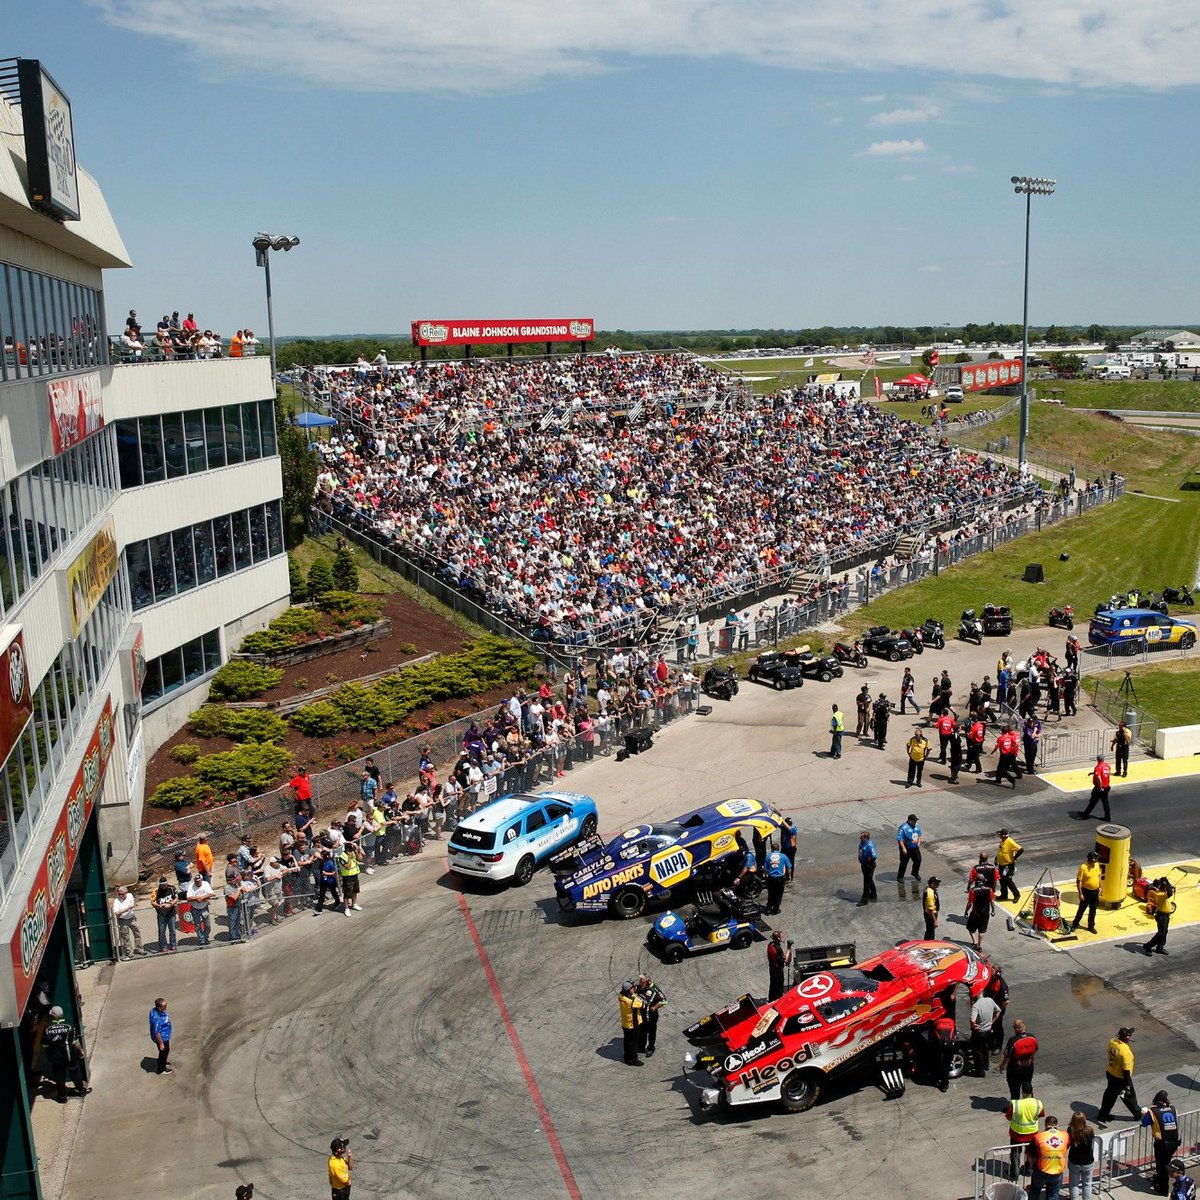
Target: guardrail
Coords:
[[1121, 1155]]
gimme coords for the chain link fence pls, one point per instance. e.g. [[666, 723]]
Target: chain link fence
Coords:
[[1116, 705]]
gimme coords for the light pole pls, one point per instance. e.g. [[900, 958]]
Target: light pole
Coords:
[[1027, 186], [263, 244]]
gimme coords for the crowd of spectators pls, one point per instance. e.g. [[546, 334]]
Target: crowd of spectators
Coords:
[[176, 339], [580, 533]]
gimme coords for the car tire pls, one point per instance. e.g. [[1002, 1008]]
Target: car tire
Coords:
[[1070, 623], [524, 872], [753, 676], [800, 1089], [627, 903], [588, 828], [893, 656], [958, 1065], [779, 685], [741, 940], [566, 903], [674, 954], [1187, 641], [826, 676]]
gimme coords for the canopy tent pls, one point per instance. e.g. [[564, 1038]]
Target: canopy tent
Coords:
[[914, 380], [311, 420]]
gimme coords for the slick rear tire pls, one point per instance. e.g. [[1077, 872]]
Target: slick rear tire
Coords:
[[800, 1090], [628, 903]]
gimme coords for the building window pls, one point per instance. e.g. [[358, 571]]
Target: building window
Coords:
[[170, 563], [47, 326], [181, 666]]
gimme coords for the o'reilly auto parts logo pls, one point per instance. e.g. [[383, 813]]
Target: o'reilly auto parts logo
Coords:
[[428, 331], [16, 673], [581, 329]]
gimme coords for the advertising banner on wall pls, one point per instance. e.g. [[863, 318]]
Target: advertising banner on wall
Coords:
[[45, 897], [76, 409], [483, 333], [49, 142], [16, 701], [979, 377], [90, 574]]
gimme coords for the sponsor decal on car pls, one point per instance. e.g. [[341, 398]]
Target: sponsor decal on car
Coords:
[[615, 880], [670, 865]]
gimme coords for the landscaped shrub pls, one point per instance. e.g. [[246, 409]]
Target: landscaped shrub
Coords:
[[242, 680], [296, 585], [347, 608], [488, 661], [175, 794], [291, 628], [237, 724], [249, 769], [185, 752], [321, 719], [345, 572], [320, 578]]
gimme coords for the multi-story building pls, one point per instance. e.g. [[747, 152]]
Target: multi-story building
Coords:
[[140, 537]]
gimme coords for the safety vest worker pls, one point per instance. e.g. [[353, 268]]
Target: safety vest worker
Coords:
[[1023, 1117], [1048, 1150]]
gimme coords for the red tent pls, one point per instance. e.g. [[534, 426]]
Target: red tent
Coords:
[[914, 380]]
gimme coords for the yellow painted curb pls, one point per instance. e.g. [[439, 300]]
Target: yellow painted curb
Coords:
[[1130, 921], [1080, 780]]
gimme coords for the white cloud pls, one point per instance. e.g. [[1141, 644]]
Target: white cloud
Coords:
[[907, 116], [908, 178], [877, 99], [892, 149], [835, 120], [960, 169], [480, 46], [930, 270]]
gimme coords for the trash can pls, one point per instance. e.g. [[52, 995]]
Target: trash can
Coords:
[[1005, 1191], [1113, 846], [1045, 909]]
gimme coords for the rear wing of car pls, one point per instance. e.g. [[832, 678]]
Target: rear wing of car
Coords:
[[566, 862], [712, 1027]]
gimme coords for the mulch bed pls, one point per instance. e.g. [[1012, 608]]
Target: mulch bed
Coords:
[[411, 624]]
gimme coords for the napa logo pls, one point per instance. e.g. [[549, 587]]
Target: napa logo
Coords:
[[34, 927]]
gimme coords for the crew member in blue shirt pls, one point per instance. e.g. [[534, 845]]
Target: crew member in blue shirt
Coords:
[[777, 873], [908, 841], [749, 862], [160, 1033], [867, 859]]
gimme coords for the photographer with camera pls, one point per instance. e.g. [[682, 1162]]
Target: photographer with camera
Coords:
[[340, 1165]]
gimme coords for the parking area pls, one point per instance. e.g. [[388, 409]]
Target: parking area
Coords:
[[467, 1040]]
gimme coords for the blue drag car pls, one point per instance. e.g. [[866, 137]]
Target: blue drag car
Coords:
[[652, 863]]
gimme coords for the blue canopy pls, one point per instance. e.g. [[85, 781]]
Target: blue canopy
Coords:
[[311, 420]]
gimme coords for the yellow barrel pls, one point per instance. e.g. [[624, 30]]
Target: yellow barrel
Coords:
[[1113, 844]]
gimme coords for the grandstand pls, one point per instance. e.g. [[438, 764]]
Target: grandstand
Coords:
[[584, 498]]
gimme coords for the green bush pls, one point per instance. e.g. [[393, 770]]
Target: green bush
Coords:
[[345, 572], [291, 628], [248, 770], [242, 680], [321, 719], [296, 585], [349, 607], [175, 794], [237, 724], [320, 578], [185, 752], [488, 661]]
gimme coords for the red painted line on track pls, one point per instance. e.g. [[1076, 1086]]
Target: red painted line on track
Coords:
[[535, 1094]]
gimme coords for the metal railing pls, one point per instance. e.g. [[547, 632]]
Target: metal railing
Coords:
[[1070, 745], [1122, 1155], [1116, 706]]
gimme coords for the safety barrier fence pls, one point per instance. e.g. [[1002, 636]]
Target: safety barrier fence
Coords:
[[261, 817], [1095, 660], [1122, 1156], [1115, 706], [1070, 745]]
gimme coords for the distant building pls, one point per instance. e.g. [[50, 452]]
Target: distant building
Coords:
[[1156, 337]]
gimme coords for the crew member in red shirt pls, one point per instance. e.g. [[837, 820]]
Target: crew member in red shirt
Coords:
[[975, 736], [945, 726], [1101, 778], [1006, 746]]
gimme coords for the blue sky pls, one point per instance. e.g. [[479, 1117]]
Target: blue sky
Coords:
[[675, 165]]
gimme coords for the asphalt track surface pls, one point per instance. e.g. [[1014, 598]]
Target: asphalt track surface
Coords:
[[466, 1039]]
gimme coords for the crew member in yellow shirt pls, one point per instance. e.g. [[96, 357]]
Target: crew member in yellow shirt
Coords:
[[1006, 861], [340, 1164], [1162, 894], [1118, 1077], [1087, 880], [931, 906], [631, 1020]]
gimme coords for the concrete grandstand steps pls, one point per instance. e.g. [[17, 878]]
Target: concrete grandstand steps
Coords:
[[803, 582], [909, 545]]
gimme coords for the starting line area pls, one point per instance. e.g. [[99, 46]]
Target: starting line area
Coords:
[[1141, 771], [1130, 921]]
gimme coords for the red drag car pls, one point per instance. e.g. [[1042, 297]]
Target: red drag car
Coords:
[[882, 1010]]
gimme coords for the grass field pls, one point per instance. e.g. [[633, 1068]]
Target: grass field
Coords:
[[1169, 692], [1168, 395]]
